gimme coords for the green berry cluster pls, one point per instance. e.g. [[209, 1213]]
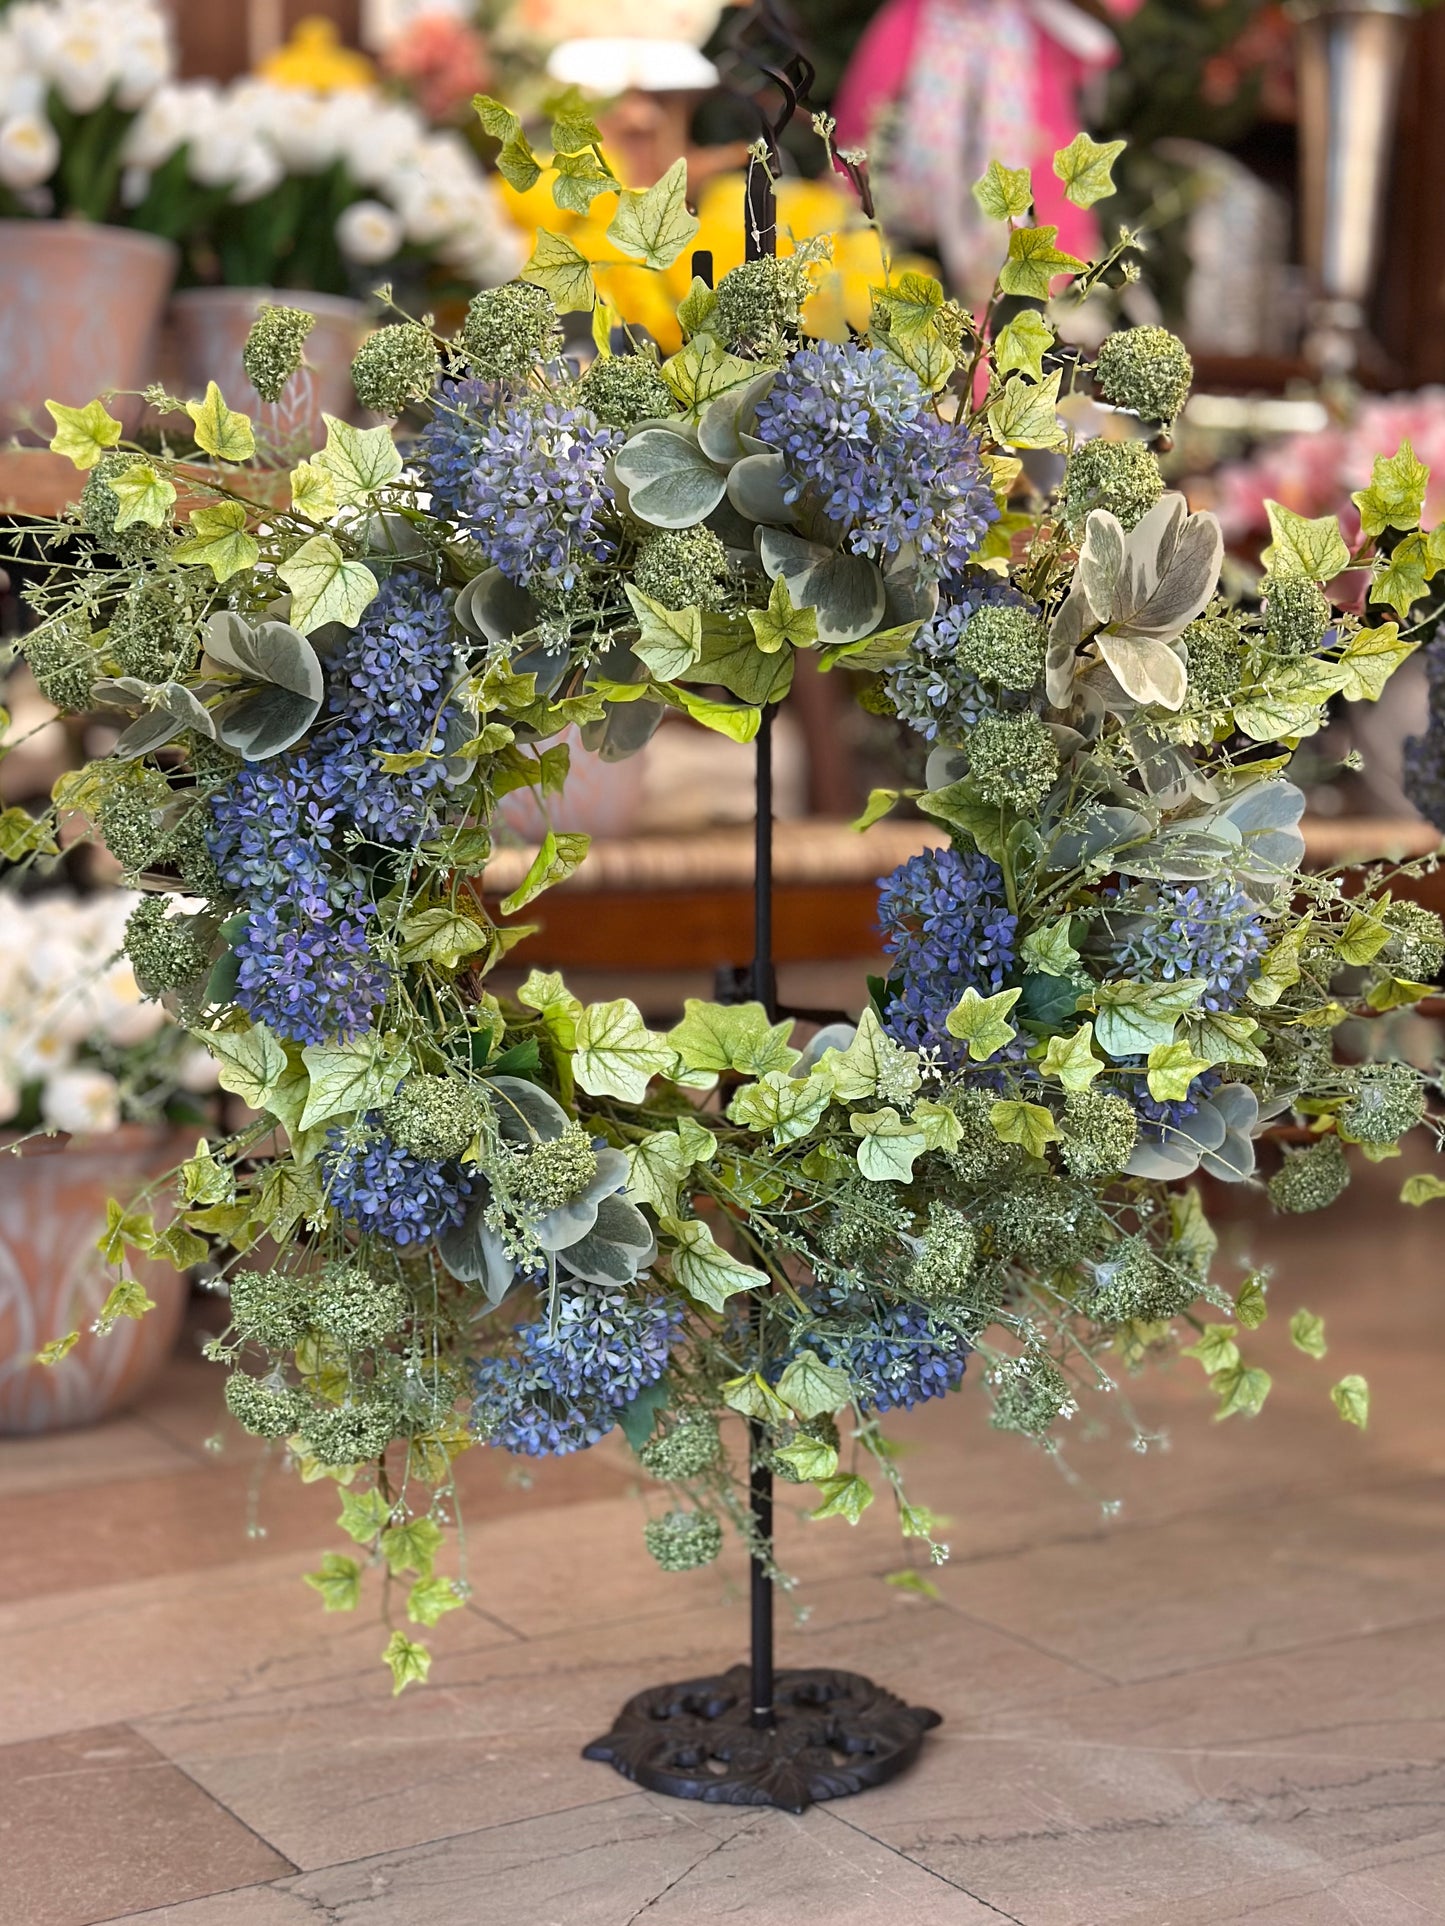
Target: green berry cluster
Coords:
[[1147, 370], [1120, 476], [553, 1173], [946, 1259], [130, 815], [146, 634], [1005, 646], [1310, 1179], [1386, 1101], [688, 1446], [272, 353], [434, 1117], [1133, 1282], [99, 505], [760, 303], [1013, 760], [683, 1540], [980, 1156], [1417, 950], [271, 1307], [395, 365], [1215, 653], [349, 1434], [1296, 613], [265, 1410], [165, 952], [1045, 1221], [62, 661], [623, 389], [1100, 1130], [508, 330], [684, 568], [357, 1307], [1029, 1393]]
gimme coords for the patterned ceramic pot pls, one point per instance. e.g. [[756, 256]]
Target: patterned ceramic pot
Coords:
[[209, 329], [80, 306], [52, 1280]]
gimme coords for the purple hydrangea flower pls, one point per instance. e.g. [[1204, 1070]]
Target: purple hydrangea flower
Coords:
[[446, 447], [1211, 930], [947, 927], [388, 1191], [930, 690], [858, 434], [538, 493], [1425, 754], [906, 1356], [554, 1394], [306, 969]]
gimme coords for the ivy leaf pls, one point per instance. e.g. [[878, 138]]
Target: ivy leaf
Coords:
[[753, 1397], [338, 1581], [443, 936], [713, 1037], [909, 1580], [912, 306], [1396, 494], [364, 1514], [181, 1248], [82, 435], [738, 721], [1071, 1059], [412, 1547], [517, 164], [127, 1299], [1022, 344], [1029, 1124], [409, 1662], [653, 225], [1133, 1017], [1280, 969], [846, 1497], [940, 1126], [981, 1022], [1405, 576], [562, 852], [57, 1349], [616, 1054], [431, 1598], [1172, 1068], [871, 1059], [1351, 1398], [326, 586], [1398, 993], [1423, 1188], [1034, 262], [313, 493], [1241, 1390], [218, 539], [1250, 1305], [1004, 193], [1023, 413], [671, 639], [358, 460], [1085, 167], [580, 178], [562, 272], [143, 494], [250, 1062], [1223, 1038], [1050, 950], [348, 1078], [785, 1107], [890, 1146], [880, 802], [1362, 938], [546, 993], [1370, 658], [1215, 1348], [781, 623], [220, 430], [1307, 1333], [814, 1389], [703, 370], [1302, 547], [655, 1168], [810, 1458], [703, 1268], [20, 833]]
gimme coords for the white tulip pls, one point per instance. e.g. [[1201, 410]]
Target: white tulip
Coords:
[[145, 64], [81, 1100], [168, 120], [198, 1072], [22, 91], [29, 151], [307, 138], [124, 1016], [9, 1094], [369, 233], [81, 70]]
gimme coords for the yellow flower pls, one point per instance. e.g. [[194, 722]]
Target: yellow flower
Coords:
[[315, 59]]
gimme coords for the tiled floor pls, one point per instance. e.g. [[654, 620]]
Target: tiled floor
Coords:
[[1225, 1706]]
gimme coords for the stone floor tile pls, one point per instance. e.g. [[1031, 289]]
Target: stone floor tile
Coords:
[[97, 1824]]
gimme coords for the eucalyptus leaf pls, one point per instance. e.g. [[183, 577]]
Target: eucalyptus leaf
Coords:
[[846, 591], [756, 487], [494, 608], [669, 480]]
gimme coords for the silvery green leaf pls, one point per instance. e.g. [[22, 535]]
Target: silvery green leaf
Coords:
[[669, 480], [909, 595], [1190, 855], [619, 1245], [626, 728], [833, 1036], [178, 701], [122, 691], [1074, 620], [1148, 671], [944, 766], [1170, 569], [547, 661], [723, 428], [394, 535], [1265, 818], [1162, 1161], [263, 722], [494, 608], [147, 732], [1096, 829], [1101, 561], [563, 1225], [845, 591], [755, 488], [1205, 1129], [526, 1114], [271, 652], [474, 1253]]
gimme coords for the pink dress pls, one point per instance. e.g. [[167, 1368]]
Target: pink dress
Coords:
[[938, 88]]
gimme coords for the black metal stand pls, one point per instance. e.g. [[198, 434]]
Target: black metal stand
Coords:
[[753, 1736]]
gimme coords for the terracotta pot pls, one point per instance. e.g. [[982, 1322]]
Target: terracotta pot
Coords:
[[209, 329], [602, 799], [80, 308], [52, 1280]]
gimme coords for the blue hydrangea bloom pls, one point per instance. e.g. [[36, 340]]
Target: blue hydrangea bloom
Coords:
[[907, 1356], [1211, 930], [554, 1394], [858, 433], [388, 1191], [446, 447], [932, 693], [306, 969], [947, 927], [538, 494], [1425, 754]]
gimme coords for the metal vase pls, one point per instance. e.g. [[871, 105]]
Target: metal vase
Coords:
[[1349, 58]]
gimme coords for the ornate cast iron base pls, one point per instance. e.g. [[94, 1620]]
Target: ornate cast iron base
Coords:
[[834, 1733]]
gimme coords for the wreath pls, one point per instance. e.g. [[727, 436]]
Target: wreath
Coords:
[[518, 1223]]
